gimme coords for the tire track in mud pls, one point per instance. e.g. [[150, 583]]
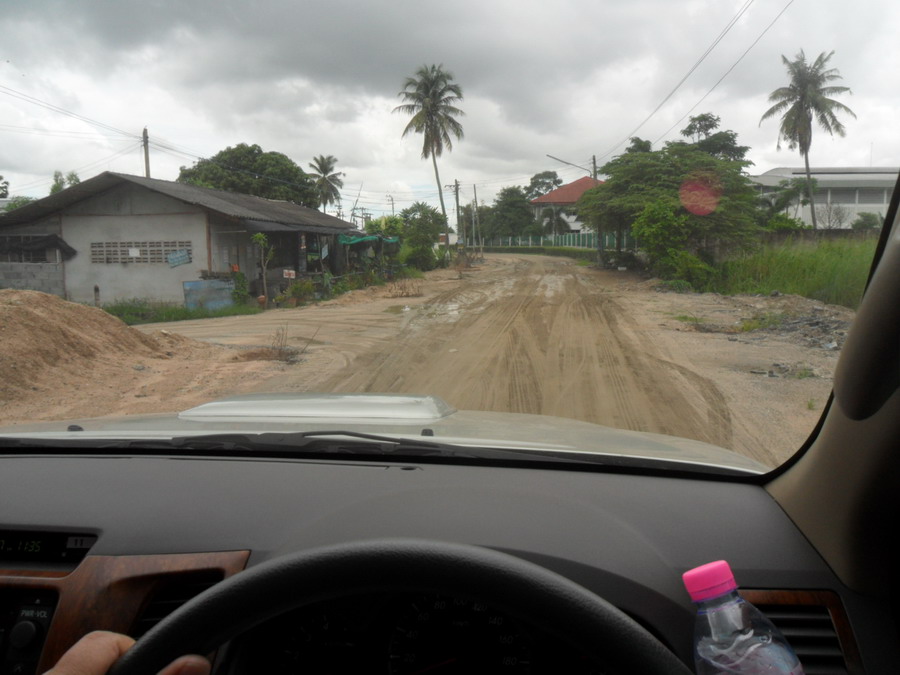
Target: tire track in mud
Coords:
[[542, 336]]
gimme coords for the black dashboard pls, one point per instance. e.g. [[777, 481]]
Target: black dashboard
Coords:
[[624, 536]]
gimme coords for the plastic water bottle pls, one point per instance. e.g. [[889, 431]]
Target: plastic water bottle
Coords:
[[730, 634]]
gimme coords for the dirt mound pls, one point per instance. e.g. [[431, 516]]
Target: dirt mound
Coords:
[[40, 331]]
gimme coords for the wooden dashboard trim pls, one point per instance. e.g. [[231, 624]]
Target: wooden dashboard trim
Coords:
[[108, 592]]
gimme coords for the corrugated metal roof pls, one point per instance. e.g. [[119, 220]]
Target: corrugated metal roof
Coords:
[[235, 205], [569, 193]]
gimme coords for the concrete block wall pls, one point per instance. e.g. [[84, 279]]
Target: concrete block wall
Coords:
[[44, 277]]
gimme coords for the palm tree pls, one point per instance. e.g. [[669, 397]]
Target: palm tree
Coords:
[[430, 98], [804, 99], [327, 181]]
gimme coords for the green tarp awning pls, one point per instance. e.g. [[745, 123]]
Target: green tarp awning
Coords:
[[349, 240]]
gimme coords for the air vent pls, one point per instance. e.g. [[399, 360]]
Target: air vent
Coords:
[[816, 626], [170, 593]]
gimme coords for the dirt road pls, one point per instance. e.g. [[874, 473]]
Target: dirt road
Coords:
[[545, 335]]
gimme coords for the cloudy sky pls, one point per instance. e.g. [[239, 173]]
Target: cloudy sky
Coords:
[[79, 79]]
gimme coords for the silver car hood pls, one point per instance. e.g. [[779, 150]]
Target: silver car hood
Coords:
[[402, 416]]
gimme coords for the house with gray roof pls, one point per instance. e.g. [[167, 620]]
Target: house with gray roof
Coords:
[[117, 236], [841, 192]]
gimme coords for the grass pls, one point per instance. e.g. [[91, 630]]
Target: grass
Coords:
[[834, 272], [689, 318], [760, 322], [138, 310]]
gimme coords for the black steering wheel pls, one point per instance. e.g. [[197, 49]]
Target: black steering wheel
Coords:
[[527, 591]]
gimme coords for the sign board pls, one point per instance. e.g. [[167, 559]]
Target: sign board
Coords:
[[208, 294], [134, 253], [290, 274], [176, 258], [324, 251]]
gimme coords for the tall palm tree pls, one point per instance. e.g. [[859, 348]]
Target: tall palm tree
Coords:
[[804, 99], [327, 181], [430, 98]]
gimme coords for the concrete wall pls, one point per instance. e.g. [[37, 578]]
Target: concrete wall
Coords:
[[44, 277], [129, 213]]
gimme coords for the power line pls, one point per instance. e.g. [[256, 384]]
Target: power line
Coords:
[[733, 66], [131, 148], [700, 60], [62, 111]]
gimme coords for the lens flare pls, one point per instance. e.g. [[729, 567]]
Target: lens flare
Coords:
[[700, 195]]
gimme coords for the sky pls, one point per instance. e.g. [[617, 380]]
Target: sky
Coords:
[[574, 79]]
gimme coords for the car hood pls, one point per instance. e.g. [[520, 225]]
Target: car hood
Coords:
[[403, 416]]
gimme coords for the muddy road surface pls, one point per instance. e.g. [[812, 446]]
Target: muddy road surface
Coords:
[[536, 334]]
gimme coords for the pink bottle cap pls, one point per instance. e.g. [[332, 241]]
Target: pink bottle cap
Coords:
[[709, 581]]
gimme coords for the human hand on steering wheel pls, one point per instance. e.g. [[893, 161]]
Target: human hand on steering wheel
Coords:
[[96, 652]]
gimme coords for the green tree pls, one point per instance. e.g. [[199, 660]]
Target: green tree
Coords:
[[247, 169], [788, 193], [639, 145], [542, 183], [61, 182], [806, 100], [430, 99], [389, 226], [266, 253], [702, 130], [511, 214], [19, 201], [4, 188], [422, 227], [866, 220], [711, 199], [327, 181]]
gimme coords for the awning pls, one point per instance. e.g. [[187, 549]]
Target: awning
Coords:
[[350, 240], [36, 244]]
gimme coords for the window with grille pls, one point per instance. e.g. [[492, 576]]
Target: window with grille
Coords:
[[137, 251], [12, 249]]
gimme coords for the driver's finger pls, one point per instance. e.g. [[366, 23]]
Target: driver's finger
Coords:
[[187, 665], [93, 654]]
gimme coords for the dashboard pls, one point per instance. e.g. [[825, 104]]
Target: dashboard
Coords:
[[151, 521]]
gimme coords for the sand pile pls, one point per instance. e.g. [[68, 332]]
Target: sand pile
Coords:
[[40, 332]]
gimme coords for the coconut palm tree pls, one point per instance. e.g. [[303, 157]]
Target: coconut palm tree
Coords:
[[804, 100], [327, 181], [430, 98]]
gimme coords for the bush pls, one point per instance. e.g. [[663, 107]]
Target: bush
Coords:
[[141, 310], [681, 265], [866, 220], [421, 257], [782, 223]]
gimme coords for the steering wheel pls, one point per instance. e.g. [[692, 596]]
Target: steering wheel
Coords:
[[527, 591]]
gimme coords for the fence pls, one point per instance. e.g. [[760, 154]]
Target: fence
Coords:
[[571, 240]]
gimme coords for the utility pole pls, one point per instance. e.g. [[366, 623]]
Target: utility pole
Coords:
[[146, 142], [391, 197], [478, 221], [594, 164], [460, 229], [455, 188]]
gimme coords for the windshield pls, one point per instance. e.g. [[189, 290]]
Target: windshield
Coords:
[[656, 217]]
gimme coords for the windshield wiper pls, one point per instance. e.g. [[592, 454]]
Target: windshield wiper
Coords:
[[301, 444]]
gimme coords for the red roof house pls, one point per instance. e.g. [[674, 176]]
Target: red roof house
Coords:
[[564, 198]]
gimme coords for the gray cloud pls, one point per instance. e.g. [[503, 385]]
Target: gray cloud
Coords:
[[570, 78]]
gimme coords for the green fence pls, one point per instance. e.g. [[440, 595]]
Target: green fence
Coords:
[[571, 240]]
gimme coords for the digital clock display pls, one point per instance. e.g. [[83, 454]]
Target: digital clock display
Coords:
[[44, 547]]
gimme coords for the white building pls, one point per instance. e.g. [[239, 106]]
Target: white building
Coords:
[[841, 192]]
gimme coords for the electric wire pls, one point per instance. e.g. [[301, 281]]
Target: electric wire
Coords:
[[668, 96], [727, 72]]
